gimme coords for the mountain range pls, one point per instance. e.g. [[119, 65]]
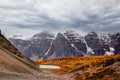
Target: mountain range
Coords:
[[46, 45]]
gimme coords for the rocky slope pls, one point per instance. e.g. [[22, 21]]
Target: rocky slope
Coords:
[[46, 45], [110, 70], [10, 56]]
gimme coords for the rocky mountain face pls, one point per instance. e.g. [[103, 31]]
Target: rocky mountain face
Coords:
[[115, 42], [36, 46], [46, 45], [99, 44], [64, 46]]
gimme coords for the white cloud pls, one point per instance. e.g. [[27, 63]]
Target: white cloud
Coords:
[[11, 31], [58, 15]]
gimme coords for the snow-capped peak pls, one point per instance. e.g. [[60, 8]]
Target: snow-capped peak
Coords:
[[44, 34], [105, 37]]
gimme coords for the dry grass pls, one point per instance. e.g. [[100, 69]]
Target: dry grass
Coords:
[[88, 63], [88, 68]]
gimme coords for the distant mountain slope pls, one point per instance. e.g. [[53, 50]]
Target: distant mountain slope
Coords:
[[61, 46], [35, 47], [46, 45]]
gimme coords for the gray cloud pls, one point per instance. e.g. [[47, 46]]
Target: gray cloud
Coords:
[[59, 15]]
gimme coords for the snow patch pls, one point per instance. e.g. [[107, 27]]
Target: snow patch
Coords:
[[109, 53], [89, 50], [66, 37], [73, 45], [112, 49], [105, 37], [50, 46], [77, 49], [49, 66], [48, 49]]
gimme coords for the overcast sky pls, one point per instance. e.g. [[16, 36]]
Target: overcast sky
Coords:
[[27, 17]]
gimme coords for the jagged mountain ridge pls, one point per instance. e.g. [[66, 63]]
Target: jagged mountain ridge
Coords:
[[46, 45]]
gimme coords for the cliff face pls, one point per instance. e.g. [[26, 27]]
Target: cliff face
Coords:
[[46, 45]]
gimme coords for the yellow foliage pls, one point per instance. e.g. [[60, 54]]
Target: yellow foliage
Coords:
[[87, 63]]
